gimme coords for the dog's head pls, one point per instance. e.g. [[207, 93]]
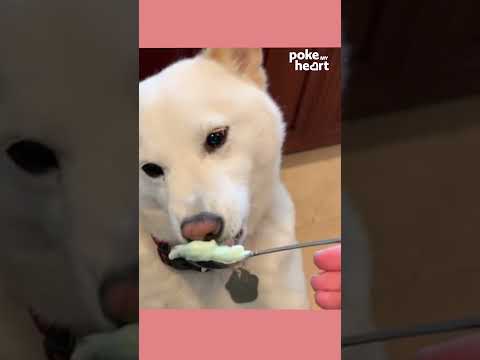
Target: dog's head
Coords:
[[210, 145], [67, 165]]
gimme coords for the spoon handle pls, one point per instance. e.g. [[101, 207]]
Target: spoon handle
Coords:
[[296, 246]]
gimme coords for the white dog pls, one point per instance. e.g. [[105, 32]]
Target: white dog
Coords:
[[210, 154], [68, 228]]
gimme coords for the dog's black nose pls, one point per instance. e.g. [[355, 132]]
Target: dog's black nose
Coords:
[[204, 226]]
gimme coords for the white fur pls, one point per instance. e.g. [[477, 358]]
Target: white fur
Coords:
[[240, 182], [57, 243]]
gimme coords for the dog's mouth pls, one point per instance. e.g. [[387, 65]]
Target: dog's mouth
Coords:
[[164, 248], [59, 341], [119, 303]]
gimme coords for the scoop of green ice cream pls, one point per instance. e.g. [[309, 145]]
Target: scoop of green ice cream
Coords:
[[209, 251], [121, 344]]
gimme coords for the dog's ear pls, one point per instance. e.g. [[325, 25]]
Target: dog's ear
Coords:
[[247, 63]]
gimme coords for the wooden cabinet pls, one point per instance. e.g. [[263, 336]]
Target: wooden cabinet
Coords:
[[309, 100]]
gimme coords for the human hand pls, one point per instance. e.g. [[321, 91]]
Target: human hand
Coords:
[[327, 284]]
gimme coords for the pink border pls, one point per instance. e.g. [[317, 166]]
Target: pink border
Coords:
[[239, 335], [245, 23], [250, 334]]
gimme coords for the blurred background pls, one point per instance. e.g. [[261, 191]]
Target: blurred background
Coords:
[[411, 146]]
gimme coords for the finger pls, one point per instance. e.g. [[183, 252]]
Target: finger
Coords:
[[327, 281], [328, 300], [329, 259]]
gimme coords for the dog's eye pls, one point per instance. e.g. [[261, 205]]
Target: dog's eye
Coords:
[[216, 139], [33, 157], [152, 170]]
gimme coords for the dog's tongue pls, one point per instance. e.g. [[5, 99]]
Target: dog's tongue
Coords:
[[120, 301]]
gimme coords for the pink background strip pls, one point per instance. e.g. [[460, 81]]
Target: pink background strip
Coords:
[[239, 335], [244, 23]]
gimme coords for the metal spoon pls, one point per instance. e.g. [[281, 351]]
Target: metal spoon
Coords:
[[205, 265], [295, 246]]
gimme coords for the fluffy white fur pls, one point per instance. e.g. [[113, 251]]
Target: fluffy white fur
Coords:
[[240, 181], [57, 243]]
